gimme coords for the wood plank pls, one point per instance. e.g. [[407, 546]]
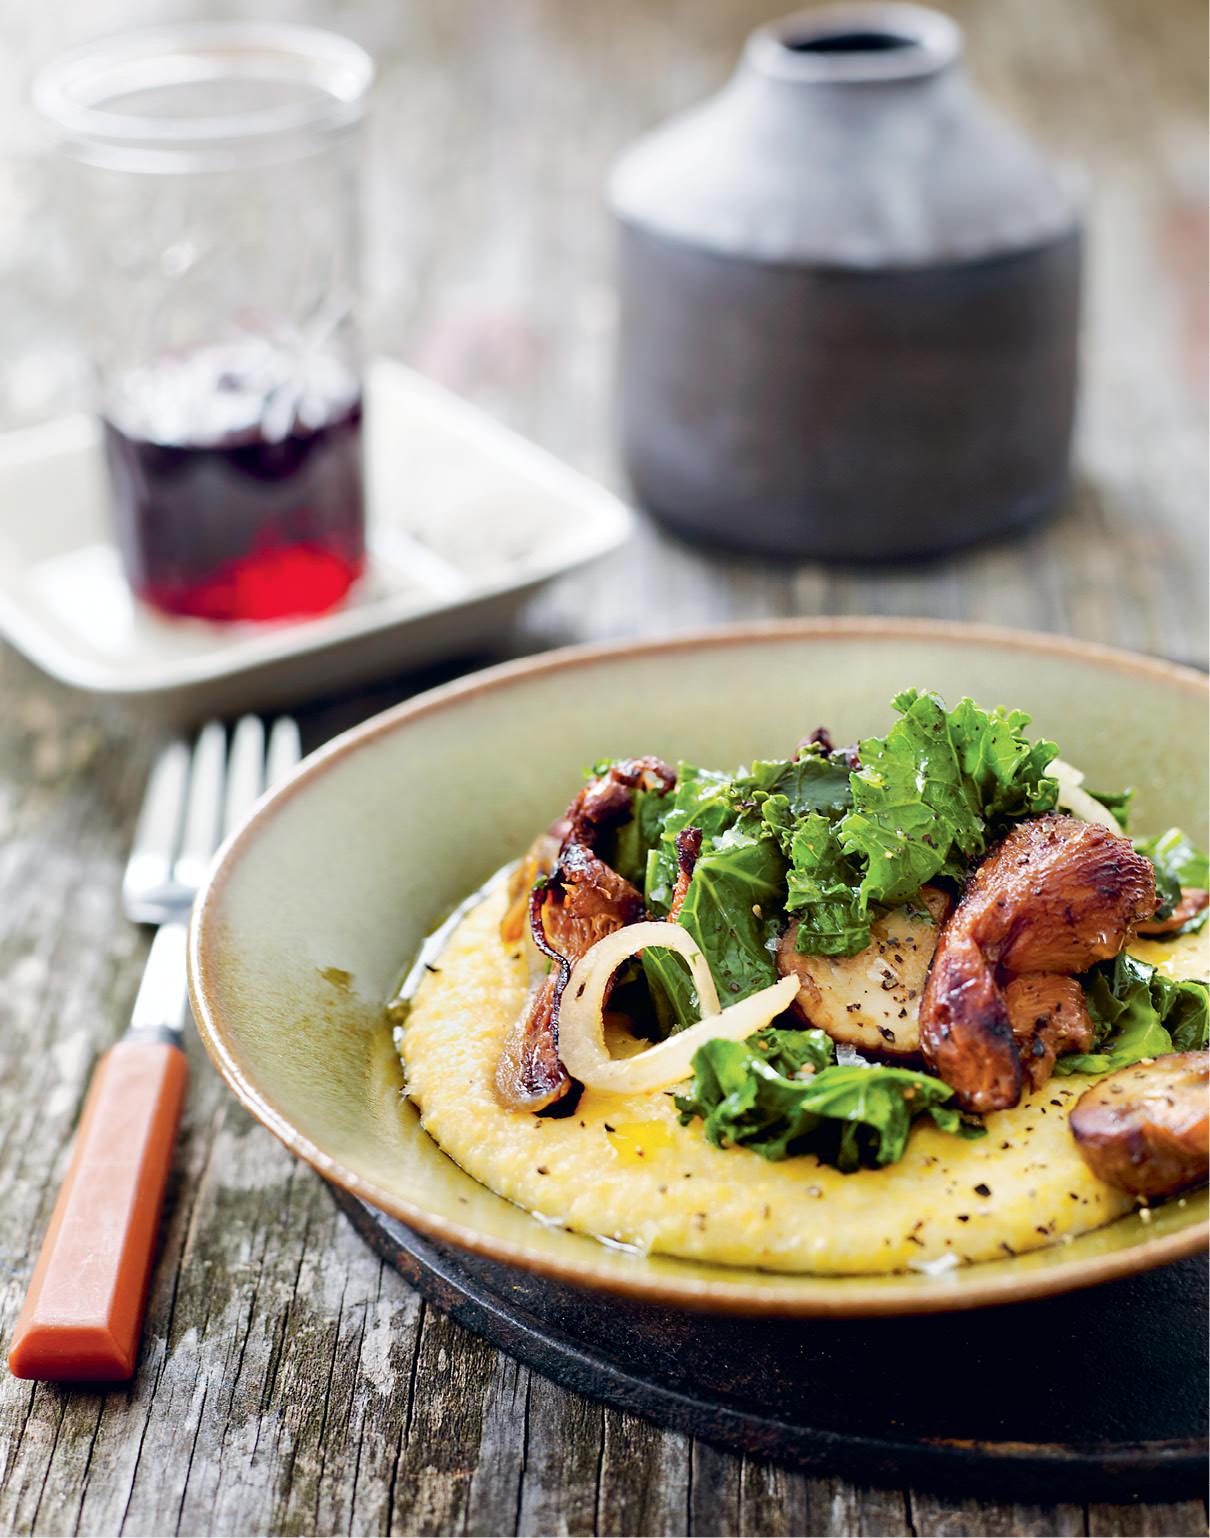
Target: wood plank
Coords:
[[1180, 1519], [936, 1517], [559, 1486], [714, 1491], [644, 1477], [288, 1383], [866, 1511], [443, 1431]]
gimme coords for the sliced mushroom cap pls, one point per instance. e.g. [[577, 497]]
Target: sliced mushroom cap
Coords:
[[1049, 1015], [1193, 900], [1146, 1128], [529, 1075], [871, 1001], [1053, 896], [966, 1033]]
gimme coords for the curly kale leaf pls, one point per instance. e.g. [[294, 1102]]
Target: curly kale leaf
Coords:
[[1178, 862], [928, 799], [824, 886], [1138, 1012], [751, 1094], [735, 904], [827, 845], [815, 782]]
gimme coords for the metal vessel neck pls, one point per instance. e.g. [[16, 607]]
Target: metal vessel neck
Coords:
[[852, 44]]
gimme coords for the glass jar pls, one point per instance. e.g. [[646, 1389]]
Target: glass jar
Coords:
[[213, 175]]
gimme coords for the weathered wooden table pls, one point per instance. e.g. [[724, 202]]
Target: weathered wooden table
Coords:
[[288, 1381]]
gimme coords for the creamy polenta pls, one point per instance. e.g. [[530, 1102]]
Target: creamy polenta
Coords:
[[621, 1167]]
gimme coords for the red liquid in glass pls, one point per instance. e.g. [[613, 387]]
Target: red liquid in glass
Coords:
[[262, 521]]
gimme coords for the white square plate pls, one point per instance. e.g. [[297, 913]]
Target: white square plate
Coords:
[[466, 520]]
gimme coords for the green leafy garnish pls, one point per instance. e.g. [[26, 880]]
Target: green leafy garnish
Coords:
[[927, 800], [733, 910], [811, 840], [633, 841], [1187, 1015], [824, 887], [735, 903], [815, 782], [750, 1093], [1138, 1012], [1178, 862]]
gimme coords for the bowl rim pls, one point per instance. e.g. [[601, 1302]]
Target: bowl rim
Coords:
[[849, 1296]]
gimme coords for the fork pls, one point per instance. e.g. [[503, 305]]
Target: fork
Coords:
[[84, 1310]]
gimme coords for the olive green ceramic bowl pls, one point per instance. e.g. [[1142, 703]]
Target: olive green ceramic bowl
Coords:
[[314, 909]]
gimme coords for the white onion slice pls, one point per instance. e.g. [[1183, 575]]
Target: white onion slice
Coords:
[[581, 1028], [1073, 799]]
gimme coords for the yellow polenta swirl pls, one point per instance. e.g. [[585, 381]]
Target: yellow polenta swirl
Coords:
[[623, 1168]]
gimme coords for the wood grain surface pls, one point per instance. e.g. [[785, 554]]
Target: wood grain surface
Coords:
[[288, 1383]]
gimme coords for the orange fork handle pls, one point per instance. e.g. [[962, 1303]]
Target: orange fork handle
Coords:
[[84, 1309]]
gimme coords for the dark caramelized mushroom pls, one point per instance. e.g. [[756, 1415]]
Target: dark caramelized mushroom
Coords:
[[1055, 895], [580, 901], [608, 799], [965, 1031], [1048, 1015], [688, 850], [529, 1075], [1193, 900], [1146, 1128]]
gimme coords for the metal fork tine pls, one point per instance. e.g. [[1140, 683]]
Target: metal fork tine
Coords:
[[203, 814], [157, 834], [245, 771], [285, 749], [191, 801]]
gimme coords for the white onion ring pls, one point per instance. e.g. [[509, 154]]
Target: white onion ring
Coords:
[[1087, 808], [581, 1026]]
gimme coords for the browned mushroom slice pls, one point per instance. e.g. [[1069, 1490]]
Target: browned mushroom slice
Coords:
[[607, 800], [1055, 895], [529, 1075], [1048, 1015], [583, 901], [965, 1030], [1193, 900], [871, 1001], [1146, 1128], [688, 849]]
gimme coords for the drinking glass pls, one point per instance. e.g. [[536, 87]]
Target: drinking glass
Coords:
[[212, 173]]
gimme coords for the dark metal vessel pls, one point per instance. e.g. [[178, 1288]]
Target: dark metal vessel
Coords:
[[849, 301]]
